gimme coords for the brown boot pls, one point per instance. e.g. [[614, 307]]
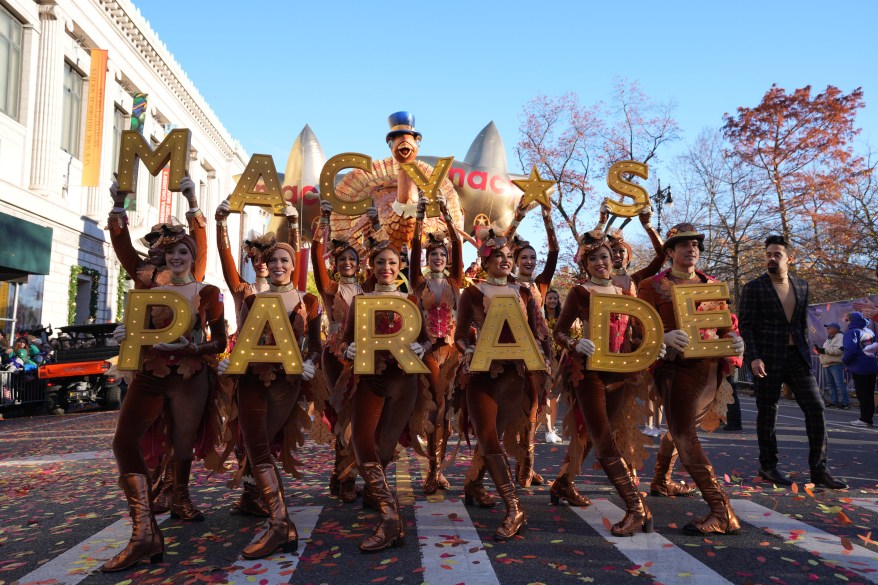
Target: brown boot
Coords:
[[515, 518], [146, 538], [280, 532], [250, 503], [181, 506], [161, 501], [347, 491], [389, 531], [435, 455], [662, 484], [474, 492], [637, 515], [722, 519], [524, 470], [564, 489]]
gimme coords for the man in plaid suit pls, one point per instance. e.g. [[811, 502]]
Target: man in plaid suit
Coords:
[[772, 316]]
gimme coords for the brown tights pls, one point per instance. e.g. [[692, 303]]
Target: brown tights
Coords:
[[146, 399], [262, 413], [688, 388], [382, 406], [484, 398]]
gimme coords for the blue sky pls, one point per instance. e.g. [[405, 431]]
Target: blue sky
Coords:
[[269, 68]]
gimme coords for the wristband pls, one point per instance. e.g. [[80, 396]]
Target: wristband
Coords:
[[118, 210]]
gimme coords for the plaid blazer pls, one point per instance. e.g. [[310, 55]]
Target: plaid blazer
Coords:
[[763, 323]]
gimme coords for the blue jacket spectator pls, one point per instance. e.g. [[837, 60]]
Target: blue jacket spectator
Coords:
[[855, 338]]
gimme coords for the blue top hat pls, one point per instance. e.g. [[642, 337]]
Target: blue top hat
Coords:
[[401, 123]]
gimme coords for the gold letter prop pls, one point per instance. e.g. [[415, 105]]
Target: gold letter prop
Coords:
[[267, 311], [174, 149], [430, 186], [691, 320], [137, 317], [369, 341], [345, 160], [245, 193], [506, 309], [600, 308], [627, 188]]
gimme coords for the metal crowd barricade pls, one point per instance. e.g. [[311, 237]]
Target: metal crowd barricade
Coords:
[[20, 388]]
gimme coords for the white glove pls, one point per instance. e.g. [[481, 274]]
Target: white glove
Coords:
[[290, 211], [737, 343], [308, 370], [223, 210], [443, 204], [326, 207], [187, 187], [180, 344], [223, 366], [119, 333], [351, 351], [605, 208], [118, 198], [585, 347], [871, 349], [418, 349], [677, 339], [372, 213], [662, 351]]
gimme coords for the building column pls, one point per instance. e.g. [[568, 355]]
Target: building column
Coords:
[[44, 177]]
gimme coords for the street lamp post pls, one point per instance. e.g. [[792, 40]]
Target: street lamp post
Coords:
[[661, 198]]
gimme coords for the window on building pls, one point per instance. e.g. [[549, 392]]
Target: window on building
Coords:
[[120, 123], [70, 132], [10, 63]]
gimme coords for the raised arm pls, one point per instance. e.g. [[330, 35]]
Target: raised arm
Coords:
[[416, 276], [456, 260], [230, 271], [545, 277], [513, 225], [318, 250], [292, 215], [197, 228], [120, 237], [569, 314]]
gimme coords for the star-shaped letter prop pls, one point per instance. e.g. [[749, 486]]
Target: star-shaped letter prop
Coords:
[[535, 189]]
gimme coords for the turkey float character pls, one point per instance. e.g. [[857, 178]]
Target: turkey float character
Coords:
[[388, 186]]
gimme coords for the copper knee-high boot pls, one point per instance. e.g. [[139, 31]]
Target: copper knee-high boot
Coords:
[[515, 518], [564, 489], [662, 484], [146, 538], [250, 502], [181, 506], [436, 455], [637, 515], [280, 532], [389, 531], [164, 496], [722, 519], [524, 470], [474, 489]]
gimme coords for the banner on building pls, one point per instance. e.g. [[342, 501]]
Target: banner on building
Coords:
[[138, 117], [165, 197], [94, 119]]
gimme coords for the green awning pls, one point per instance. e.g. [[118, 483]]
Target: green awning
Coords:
[[25, 248]]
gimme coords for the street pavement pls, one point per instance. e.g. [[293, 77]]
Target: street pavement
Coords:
[[62, 515]]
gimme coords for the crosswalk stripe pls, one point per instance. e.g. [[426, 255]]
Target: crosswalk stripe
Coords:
[[655, 554], [870, 504], [77, 563], [48, 459], [828, 546], [278, 568], [445, 528]]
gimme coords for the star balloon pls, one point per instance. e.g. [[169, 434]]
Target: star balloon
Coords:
[[535, 189]]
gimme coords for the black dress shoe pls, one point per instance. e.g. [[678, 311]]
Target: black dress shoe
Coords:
[[824, 479], [774, 476], [732, 428]]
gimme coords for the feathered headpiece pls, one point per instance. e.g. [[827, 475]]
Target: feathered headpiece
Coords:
[[519, 244], [338, 247], [436, 240], [267, 252], [256, 247], [618, 239], [374, 247], [490, 242], [589, 242], [170, 228]]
